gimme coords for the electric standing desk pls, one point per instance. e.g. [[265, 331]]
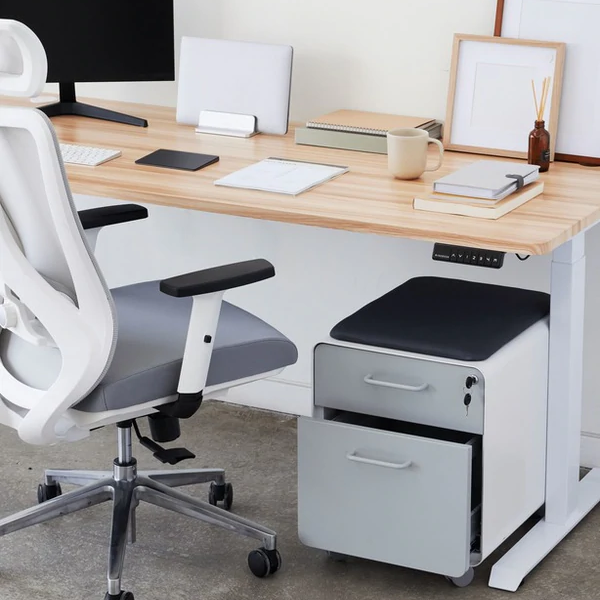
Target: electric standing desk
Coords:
[[369, 200]]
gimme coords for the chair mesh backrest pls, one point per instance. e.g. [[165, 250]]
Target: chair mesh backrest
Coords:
[[61, 333]]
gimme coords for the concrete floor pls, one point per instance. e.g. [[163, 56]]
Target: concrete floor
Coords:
[[176, 558]]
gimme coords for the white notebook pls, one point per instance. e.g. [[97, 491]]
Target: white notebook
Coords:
[[487, 179], [282, 176]]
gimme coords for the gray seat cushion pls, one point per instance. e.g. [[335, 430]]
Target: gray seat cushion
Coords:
[[151, 340]]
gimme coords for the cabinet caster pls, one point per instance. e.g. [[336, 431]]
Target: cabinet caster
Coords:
[[218, 493], [47, 492], [464, 580], [263, 562], [336, 556], [121, 596]]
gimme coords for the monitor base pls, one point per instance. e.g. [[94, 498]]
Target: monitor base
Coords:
[[68, 105], [87, 110]]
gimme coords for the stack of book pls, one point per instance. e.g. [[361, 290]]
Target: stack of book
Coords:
[[485, 189], [360, 130]]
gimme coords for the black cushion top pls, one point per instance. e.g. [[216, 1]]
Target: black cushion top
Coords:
[[450, 318]]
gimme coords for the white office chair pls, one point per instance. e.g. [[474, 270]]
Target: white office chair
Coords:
[[75, 356]]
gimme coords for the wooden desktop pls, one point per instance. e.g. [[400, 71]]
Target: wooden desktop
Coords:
[[367, 199]]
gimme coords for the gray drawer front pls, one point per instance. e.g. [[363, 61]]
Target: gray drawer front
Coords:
[[417, 516], [339, 382]]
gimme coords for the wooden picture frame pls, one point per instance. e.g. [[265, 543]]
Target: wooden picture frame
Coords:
[[490, 108], [574, 22]]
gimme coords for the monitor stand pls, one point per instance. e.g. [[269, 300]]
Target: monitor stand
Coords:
[[68, 105]]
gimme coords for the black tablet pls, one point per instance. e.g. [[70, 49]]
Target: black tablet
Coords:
[[174, 159]]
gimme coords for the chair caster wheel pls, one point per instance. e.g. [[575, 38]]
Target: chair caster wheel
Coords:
[[464, 580], [336, 556], [263, 562], [218, 493], [121, 596], [47, 492]]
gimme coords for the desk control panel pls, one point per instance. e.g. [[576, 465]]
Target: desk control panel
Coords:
[[468, 256]]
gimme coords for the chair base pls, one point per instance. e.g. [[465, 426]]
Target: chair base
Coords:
[[127, 488]]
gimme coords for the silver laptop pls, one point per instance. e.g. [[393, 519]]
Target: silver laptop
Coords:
[[235, 77]]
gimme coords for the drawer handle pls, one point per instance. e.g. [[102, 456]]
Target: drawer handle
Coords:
[[378, 463], [397, 386]]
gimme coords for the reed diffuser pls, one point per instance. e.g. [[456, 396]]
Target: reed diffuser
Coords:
[[539, 137]]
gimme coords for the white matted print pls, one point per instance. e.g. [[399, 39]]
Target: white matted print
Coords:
[[576, 23], [491, 109]]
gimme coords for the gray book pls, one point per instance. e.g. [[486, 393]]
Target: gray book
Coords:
[[434, 129], [362, 142], [493, 179]]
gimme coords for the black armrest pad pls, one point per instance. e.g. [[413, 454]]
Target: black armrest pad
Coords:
[[218, 279], [111, 215]]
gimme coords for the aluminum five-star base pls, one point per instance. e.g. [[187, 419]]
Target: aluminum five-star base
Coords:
[[126, 488]]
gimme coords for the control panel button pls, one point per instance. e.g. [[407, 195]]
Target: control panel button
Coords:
[[468, 256]]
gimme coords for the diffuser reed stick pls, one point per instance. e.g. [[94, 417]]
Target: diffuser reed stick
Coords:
[[540, 108], [537, 110]]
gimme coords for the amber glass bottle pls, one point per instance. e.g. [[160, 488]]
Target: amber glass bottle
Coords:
[[539, 147]]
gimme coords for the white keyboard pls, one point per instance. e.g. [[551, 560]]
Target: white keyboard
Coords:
[[87, 155]]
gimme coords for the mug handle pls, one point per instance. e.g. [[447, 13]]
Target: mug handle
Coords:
[[441, 150]]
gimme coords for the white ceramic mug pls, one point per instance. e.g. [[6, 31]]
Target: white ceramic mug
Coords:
[[407, 152]]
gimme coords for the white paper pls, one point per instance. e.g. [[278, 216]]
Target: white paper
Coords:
[[281, 176]]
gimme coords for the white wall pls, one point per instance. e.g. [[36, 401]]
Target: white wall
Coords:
[[387, 55]]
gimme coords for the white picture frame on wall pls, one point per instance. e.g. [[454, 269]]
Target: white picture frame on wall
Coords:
[[574, 22], [490, 107]]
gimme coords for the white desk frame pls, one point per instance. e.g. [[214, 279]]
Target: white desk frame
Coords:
[[568, 500]]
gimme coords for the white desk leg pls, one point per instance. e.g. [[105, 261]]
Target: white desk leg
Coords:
[[567, 499]]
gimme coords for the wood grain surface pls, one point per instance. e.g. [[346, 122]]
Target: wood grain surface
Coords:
[[367, 199]]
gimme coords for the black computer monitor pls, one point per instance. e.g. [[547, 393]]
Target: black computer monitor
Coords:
[[99, 41]]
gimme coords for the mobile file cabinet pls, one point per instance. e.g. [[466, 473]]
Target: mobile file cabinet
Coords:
[[428, 441]]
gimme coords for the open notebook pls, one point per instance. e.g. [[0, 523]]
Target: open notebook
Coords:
[[282, 176]]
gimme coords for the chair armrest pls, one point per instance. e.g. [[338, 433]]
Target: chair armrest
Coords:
[[218, 279], [94, 218], [207, 288]]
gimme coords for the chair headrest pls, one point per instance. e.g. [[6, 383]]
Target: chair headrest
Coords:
[[23, 63]]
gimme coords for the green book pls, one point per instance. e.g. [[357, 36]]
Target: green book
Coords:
[[362, 142]]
